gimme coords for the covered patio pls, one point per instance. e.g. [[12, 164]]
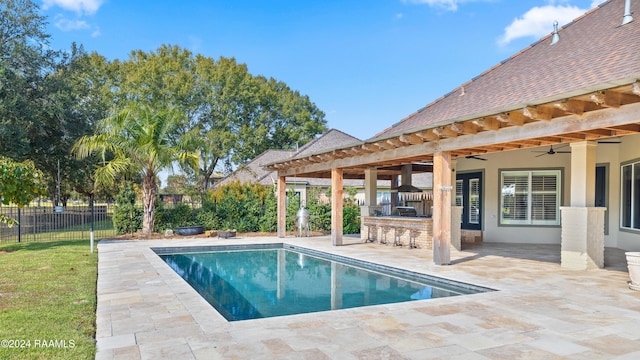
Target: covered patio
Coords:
[[580, 91]]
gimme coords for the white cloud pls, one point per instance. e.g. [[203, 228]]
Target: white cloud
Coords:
[[538, 21], [451, 5], [78, 6], [65, 24]]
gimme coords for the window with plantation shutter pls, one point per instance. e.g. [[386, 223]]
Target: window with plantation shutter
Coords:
[[530, 197], [459, 192], [474, 201]]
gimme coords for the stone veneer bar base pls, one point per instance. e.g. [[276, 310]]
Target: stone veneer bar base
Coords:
[[424, 227]]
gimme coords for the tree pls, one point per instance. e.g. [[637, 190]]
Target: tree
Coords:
[[48, 98], [25, 61], [177, 184], [229, 116], [242, 115], [77, 89], [139, 140], [20, 183]]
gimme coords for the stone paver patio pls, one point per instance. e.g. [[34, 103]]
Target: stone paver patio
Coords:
[[541, 311]]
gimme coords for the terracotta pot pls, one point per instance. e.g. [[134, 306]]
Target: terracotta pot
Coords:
[[633, 263]]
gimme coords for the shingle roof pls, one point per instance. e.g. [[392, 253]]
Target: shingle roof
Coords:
[[331, 139], [254, 172], [594, 50]]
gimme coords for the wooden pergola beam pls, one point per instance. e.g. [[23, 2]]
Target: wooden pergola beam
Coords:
[[487, 123], [412, 139], [537, 113], [635, 88], [575, 107], [612, 99], [592, 121], [428, 135]]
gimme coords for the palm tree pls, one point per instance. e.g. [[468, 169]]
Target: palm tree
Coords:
[[137, 139]]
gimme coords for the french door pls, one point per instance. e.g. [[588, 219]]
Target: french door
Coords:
[[469, 196]]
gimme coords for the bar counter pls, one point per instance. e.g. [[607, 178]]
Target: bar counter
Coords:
[[399, 229]]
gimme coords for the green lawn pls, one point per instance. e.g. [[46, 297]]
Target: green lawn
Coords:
[[47, 300]]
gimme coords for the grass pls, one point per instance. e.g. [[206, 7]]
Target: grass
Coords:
[[48, 297]]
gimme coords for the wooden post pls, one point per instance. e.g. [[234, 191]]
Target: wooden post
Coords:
[[282, 206], [442, 208], [336, 206]]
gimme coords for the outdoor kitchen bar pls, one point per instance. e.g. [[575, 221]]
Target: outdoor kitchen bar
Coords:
[[406, 222], [410, 231]]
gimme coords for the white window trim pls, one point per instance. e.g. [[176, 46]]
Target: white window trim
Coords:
[[530, 221], [632, 195]]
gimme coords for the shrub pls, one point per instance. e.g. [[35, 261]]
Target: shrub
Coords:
[[320, 212], [351, 217], [180, 215], [269, 220], [252, 207], [239, 206], [126, 217]]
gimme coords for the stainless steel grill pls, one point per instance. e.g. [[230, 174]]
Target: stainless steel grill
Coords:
[[407, 211]]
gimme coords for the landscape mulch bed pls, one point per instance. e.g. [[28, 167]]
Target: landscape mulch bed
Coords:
[[206, 234]]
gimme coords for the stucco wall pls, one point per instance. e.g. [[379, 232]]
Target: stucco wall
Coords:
[[626, 239], [611, 155]]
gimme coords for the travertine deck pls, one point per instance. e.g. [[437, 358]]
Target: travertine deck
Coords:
[[541, 311]]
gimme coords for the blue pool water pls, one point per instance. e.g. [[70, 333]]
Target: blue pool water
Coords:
[[250, 284]]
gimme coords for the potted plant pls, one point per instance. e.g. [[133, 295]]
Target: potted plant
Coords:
[[633, 263]]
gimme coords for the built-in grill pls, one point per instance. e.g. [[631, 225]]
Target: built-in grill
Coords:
[[406, 211]]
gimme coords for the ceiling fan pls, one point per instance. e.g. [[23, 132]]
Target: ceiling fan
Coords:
[[552, 151], [475, 157], [610, 141]]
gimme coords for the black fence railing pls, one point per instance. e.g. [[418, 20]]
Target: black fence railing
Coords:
[[39, 223]]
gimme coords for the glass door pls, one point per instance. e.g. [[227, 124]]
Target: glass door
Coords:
[[469, 196]]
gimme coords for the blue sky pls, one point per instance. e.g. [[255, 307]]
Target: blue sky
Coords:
[[366, 64]]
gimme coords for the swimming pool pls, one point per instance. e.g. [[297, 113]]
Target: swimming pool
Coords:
[[249, 282]]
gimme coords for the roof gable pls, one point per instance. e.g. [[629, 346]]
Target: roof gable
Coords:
[[254, 170], [331, 139]]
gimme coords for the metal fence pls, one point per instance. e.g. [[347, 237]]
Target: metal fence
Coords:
[[39, 223]]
